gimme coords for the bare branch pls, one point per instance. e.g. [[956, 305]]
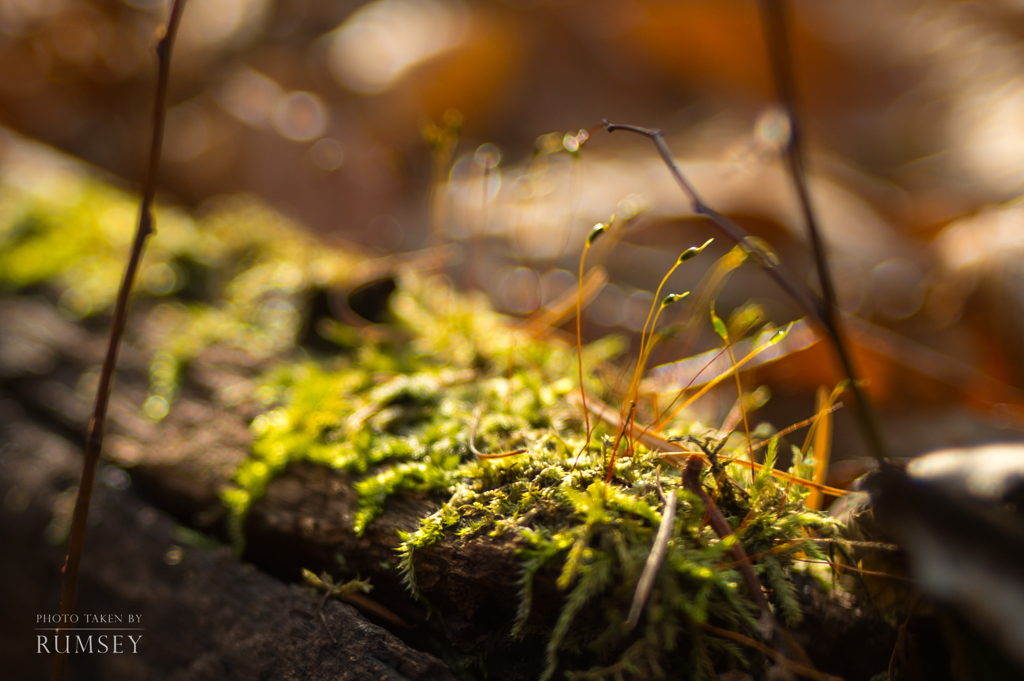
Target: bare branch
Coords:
[[94, 439], [773, 15]]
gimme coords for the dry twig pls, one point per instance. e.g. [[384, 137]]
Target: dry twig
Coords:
[[94, 440], [773, 16], [654, 561]]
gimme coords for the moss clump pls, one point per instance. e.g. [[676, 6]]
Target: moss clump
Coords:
[[398, 414], [236, 277], [406, 416], [597, 537]]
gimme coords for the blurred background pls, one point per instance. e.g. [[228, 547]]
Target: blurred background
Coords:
[[395, 125]]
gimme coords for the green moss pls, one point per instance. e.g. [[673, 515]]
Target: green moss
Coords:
[[398, 415], [401, 416], [236, 277], [410, 430]]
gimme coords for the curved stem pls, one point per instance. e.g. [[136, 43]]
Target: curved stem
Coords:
[[94, 440], [641, 360], [579, 350]]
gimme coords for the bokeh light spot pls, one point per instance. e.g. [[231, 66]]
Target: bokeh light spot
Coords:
[[300, 116], [327, 154]]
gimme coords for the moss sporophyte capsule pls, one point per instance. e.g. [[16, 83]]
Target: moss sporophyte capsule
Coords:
[[599, 229]]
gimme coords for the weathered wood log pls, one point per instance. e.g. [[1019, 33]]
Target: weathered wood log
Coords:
[[204, 615], [305, 519]]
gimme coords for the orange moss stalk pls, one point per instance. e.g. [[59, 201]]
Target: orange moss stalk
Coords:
[[599, 229], [647, 333]]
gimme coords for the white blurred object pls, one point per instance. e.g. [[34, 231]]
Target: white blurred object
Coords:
[[989, 473], [384, 39], [220, 23]]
